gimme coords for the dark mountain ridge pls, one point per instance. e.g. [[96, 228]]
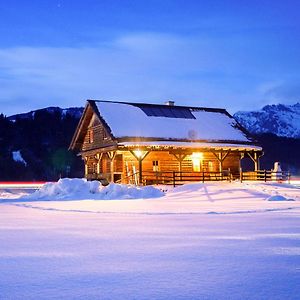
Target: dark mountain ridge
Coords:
[[71, 111]]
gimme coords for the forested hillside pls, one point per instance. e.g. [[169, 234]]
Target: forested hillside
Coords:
[[41, 139]]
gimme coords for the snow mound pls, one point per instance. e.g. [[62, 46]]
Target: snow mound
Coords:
[[189, 187], [78, 189], [279, 198]]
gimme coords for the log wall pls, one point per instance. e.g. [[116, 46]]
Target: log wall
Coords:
[[97, 136], [125, 164]]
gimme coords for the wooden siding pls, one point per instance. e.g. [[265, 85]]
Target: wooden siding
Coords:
[[125, 164], [101, 138]]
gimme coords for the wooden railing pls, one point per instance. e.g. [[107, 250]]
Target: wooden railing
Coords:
[[177, 178], [266, 175], [130, 179]]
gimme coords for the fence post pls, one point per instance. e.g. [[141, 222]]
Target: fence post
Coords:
[[289, 177], [229, 175], [202, 176], [174, 183], [265, 175]]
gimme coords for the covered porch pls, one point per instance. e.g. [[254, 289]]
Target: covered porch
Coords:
[[166, 163]]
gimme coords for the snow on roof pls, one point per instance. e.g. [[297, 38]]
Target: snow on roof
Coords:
[[131, 120], [175, 144]]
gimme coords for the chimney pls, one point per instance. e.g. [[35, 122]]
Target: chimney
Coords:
[[170, 103]]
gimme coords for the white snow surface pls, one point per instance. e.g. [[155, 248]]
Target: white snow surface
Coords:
[[198, 241], [17, 157], [207, 125], [79, 188]]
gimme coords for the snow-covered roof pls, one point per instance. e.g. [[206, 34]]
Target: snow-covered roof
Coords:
[[175, 144], [169, 122]]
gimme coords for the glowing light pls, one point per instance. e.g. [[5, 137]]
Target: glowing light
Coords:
[[138, 153], [197, 155], [196, 160]]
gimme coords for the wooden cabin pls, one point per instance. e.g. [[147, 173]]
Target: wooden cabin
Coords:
[[147, 143]]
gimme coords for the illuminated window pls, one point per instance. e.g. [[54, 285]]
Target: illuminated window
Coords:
[[196, 160], [155, 165], [210, 166]]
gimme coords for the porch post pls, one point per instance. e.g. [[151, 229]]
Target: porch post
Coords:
[[221, 162], [257, 165], [255, 159], [140, 159], [242, 155], [85, 166], [140, 170], [111, 155], [180, 158], [99, 158], [221, 157]]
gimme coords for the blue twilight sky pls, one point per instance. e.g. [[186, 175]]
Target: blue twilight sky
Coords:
[[239, 54]]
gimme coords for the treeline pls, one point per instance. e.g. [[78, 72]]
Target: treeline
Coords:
[[43, 141]]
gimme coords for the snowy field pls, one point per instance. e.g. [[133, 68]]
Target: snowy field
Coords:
[[198, 241]]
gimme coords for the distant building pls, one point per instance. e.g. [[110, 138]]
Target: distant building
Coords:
[[145, 143]]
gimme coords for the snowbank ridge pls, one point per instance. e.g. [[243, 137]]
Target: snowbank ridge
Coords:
[[78, 189]]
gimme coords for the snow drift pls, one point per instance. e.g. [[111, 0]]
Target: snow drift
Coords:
[[279, 198], [78, 189]]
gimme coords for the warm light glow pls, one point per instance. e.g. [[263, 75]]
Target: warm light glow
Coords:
[[197, 155], [196, 160], [138, 153]]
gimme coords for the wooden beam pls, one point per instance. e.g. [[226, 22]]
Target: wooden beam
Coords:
[[111, 156], [255, 159], [226, 154], [221, 157], [140, 161], [257, 165], [85, 166], [141, 157], [99, 150], [99, 158], [180, 157]]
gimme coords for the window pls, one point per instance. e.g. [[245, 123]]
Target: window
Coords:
[[155, 165]]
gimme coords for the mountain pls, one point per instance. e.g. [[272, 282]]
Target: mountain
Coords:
[[281, 120], [75, 112]]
